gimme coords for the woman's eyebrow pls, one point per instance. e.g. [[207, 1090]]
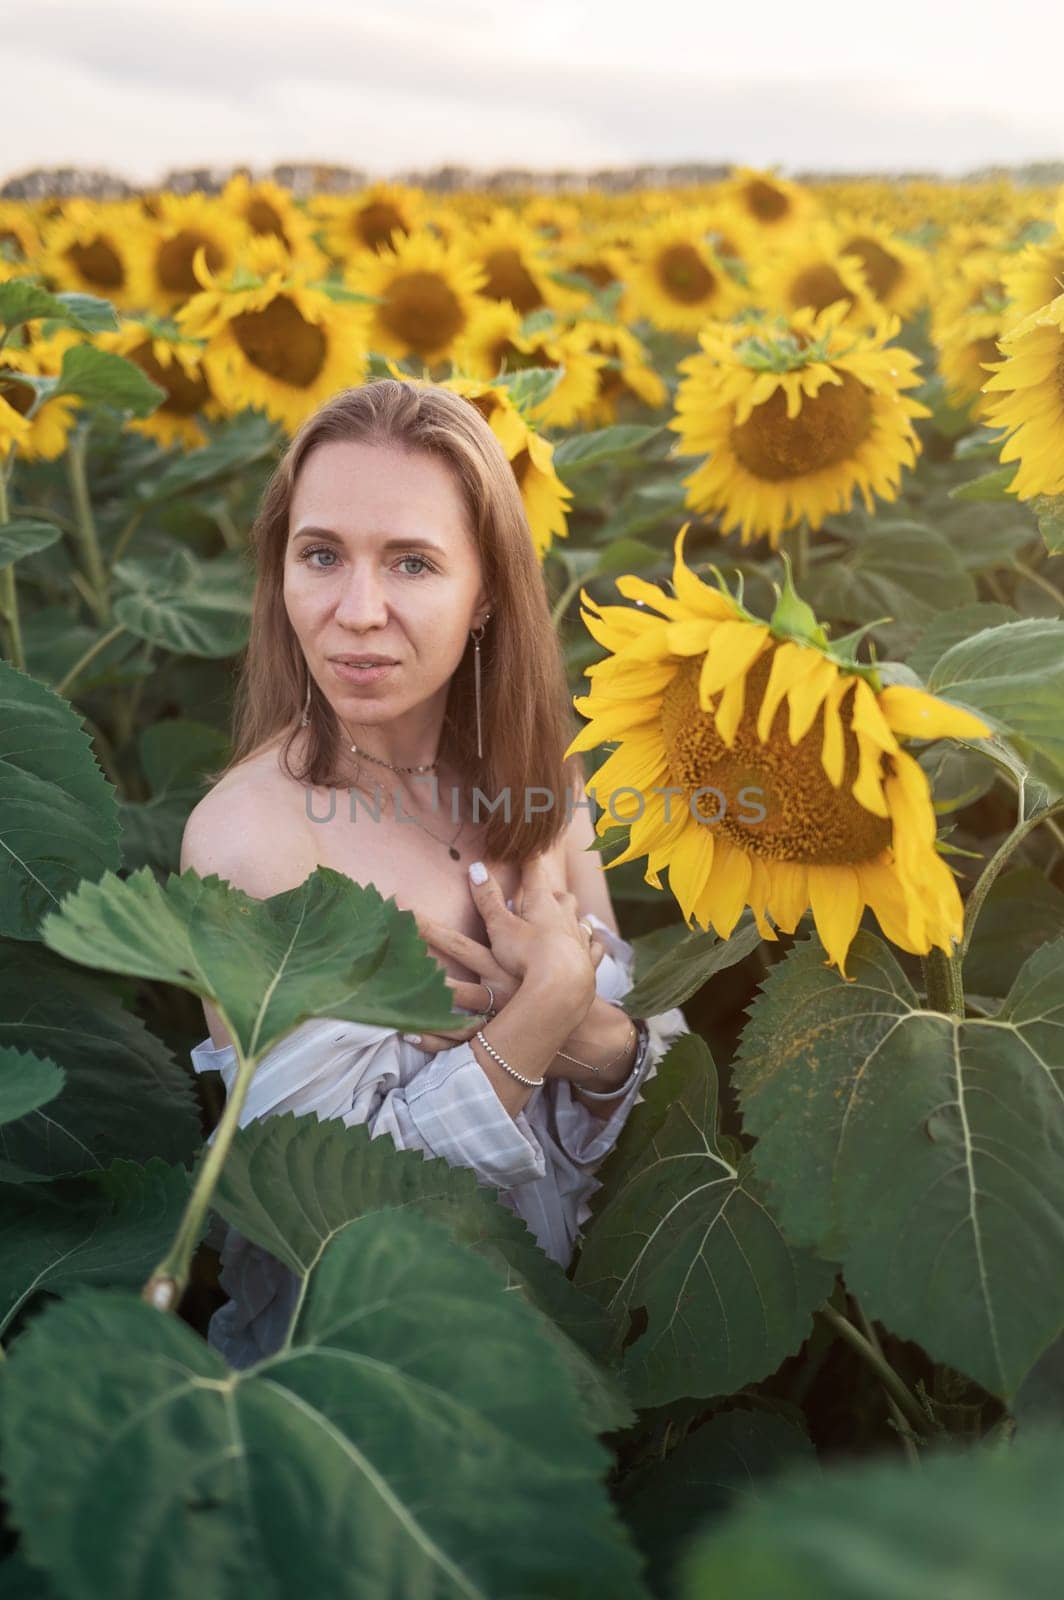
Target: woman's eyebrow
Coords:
[[389, 544]]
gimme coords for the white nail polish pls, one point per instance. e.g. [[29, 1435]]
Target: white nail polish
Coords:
[[478, 872], [411, 1038]]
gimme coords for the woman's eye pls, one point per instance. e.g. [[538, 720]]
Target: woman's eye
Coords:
[[424, 564], [317, 550]]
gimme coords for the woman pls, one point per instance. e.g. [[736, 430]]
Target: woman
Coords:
[[393, 553]]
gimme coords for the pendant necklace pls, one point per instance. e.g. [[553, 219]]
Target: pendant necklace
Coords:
[[428, 766]]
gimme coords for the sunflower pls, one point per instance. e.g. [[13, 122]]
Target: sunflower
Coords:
[[1036, 275], [516, 263], [495, 344], [1025, 396], [767, 203], [427, 297], [813, 273], [162, 275], [625, 375], [19, 238], [269, 211], [272, 339], [675, 278], [370, 219], [90, 247], [790, 789], [42, 437], [898, 275], [543, 494], [794, 416], [174, 363], [967, 354]]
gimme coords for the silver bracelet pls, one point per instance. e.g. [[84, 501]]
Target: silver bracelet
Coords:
[[533, 1083], [640, 1055]]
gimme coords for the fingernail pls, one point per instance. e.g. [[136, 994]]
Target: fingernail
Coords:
[[478, 872], [509, 905], [411, 1038]]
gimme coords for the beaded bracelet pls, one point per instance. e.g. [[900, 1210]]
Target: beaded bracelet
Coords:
[[533, 1083]]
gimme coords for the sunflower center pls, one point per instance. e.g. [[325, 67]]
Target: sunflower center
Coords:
[[263, 218], [281, 343], [173, 263], [597, 272], [881, 268], [509, 279], [983, 351], [827, 431], [807, 820], [766, 202], [422, 311], [184, 395], [19, 396], [818, 286], [520, 360], [375, 223], [98, 263], [684, 275]]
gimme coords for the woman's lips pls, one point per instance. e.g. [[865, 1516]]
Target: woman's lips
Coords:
[[353, 674]]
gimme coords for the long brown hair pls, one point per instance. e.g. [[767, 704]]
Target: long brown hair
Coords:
[[527, 715]]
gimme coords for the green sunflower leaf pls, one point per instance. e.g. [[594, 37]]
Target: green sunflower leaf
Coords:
[[988, 486], [682, 1252], [1049, 509], [186, 605], [23, 300], [58, 819], [387, 1449], [100, 377], [924, 1153], [969, 1522], [1014, 674], [620, 443], [25, 538]]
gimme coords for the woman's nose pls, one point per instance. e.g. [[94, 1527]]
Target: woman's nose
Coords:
[[362, 602]]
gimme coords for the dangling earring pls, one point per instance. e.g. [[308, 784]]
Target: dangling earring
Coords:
[[304, 720], [476, 638]]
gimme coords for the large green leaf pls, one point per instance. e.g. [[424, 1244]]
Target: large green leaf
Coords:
[[22, 300], [689, 963], [108, 1228], [419, 1436], [24, 538], [101, 377], [970, 1523], [902, 570], [330, 948], [620, 443], [724, 1465], [290, 1184], [240, 442], [681, 1244], [26, 1083], [1015, 674], [924, 1153], [185, 605], [124, 1094], [953, 626], [58, 819], [1022, 912], [174, 754], [1049, 509]]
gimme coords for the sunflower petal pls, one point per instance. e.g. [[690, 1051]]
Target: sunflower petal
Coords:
[[915, 714], [835, 899]]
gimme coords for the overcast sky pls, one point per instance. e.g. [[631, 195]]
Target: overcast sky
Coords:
[[143, 87]]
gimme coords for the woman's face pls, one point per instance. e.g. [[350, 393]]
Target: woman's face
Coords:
[[380, 561]]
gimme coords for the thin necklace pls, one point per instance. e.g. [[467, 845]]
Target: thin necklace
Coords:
[[428, 766]]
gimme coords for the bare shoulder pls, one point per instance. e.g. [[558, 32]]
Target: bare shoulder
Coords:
[[250, 829]]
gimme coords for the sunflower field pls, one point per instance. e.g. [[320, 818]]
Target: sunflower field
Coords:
[[792, 459]]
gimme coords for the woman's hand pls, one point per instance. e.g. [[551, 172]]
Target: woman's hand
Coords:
[[546, 940]]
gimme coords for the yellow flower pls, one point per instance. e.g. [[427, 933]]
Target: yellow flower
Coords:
[[1036, 275], [90, 248], [1025, 396], [516, 263], [766, 202], [794, 417], [790, 787], [626, 374], [897, 273], [495, 344], [18, 232], [270, 212], [427, 297], [43, 436], [543, 494], [272, 339], [675, 278], [162, 275], [176, 365], [812, 273], [369, 219]]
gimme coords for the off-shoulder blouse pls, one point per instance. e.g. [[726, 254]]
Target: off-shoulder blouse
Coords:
[[541, 1161]]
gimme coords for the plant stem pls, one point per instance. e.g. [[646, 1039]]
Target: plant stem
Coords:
[[90, 654], [124, 537], [907, 1404], [942, 976], [561, 605], [800, 553], [8, 589], [1037, 578], [994, 865], [90, 543], [904, 1431], [168, 1281]]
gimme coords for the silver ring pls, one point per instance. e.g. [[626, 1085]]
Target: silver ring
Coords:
[[492, 1010], [588, 929]]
